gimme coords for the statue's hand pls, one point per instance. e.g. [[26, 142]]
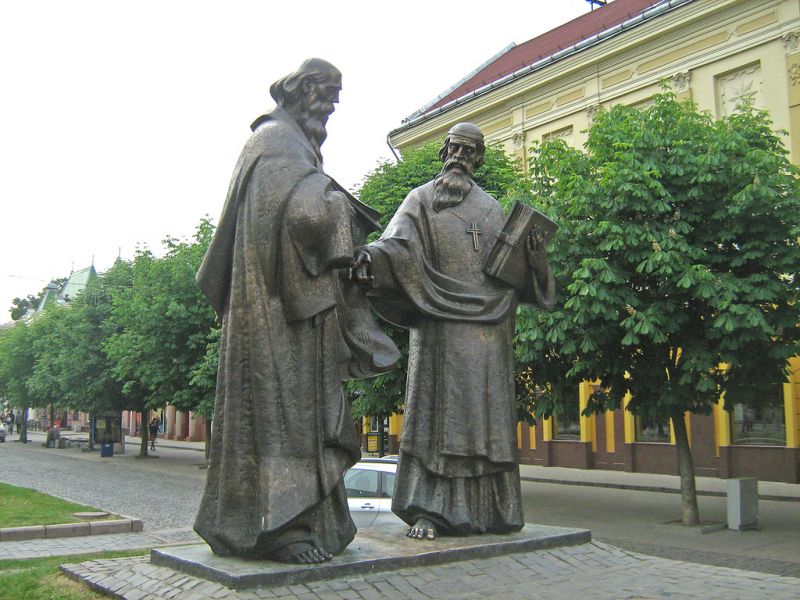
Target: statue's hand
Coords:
[[361, 271], [537, 255]]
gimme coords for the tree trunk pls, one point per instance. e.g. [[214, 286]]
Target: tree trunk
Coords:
[[22, 426], [381, 449], [690, 512], [92, 419], [143, 431], [208, 439]]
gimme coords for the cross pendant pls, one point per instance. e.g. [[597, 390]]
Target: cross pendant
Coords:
[[473, 229]]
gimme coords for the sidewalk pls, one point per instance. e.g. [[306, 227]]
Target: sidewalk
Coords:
[[165, 443], [130, 441], [651, 482]]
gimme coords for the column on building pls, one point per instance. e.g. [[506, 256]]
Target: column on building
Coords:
[[792, 44], [197, 427], [171, 419], [181, 431]]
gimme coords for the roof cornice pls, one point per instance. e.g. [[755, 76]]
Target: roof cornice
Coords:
[[647, 15]]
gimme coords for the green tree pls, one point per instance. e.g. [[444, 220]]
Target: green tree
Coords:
[[46, 331], [21, 306], [17, 359], [161, 326], [677, 261], [384, 189], [72, 368], [204, 383]]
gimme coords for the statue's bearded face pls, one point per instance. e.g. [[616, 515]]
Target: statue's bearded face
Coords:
[[461, 157], [318, 104], [463, 154], [321, 98]]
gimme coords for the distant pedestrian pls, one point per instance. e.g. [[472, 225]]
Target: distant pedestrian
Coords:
[[10, 422], [153, 432]]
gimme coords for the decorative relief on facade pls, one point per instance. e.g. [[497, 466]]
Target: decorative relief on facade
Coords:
[[794, 74], [737, 87], [791, 41], [680, 82], [591, 111], [558, 134], [518, 140]]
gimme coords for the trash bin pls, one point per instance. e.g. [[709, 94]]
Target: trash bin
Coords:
[[106, 449]]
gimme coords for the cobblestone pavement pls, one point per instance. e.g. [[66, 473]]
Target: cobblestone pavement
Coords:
[[593, 570], [165, 494]]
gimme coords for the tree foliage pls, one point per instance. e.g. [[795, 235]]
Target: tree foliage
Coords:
[[72, 369], [161, 323], [677, 260], [17, 358], [21, 306]]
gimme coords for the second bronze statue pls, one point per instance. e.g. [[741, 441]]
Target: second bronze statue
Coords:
[[458, 472]]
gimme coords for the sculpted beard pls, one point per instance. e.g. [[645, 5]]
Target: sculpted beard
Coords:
[[314, 118], [451, 186]]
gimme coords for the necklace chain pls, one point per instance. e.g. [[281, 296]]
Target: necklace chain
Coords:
[[483, 218]]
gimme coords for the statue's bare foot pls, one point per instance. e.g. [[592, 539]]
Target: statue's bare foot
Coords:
[[302, 553], [422, 530]]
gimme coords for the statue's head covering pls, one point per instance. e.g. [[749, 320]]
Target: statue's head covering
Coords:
[[464, 131], [287, 89]]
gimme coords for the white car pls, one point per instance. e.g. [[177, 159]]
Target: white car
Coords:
[[369, 485]]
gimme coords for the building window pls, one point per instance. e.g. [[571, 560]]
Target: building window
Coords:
[[652, 429], [760, 424], [567, 425], [373, 423]]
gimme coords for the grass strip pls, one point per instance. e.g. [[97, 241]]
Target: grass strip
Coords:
[[22, 506]]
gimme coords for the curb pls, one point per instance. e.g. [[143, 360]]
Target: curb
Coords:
[[40, 532]]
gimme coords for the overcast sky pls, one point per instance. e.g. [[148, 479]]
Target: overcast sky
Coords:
[[121, 121]]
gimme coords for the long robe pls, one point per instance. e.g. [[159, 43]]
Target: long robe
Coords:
[[458, 454], [283, 433]]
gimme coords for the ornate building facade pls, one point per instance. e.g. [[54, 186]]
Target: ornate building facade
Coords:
[[715, 52]]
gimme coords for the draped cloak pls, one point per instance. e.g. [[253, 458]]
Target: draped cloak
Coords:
[[283, 433], [458, 452]]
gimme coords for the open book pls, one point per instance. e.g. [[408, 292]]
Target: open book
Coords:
[[506, 259]]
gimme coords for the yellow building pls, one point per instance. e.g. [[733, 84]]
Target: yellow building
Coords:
[[716, 52]]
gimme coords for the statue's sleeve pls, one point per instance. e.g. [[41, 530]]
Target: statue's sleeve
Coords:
[[318, 223]]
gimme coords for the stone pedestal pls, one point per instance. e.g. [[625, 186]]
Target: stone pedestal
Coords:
[[379, 549]]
